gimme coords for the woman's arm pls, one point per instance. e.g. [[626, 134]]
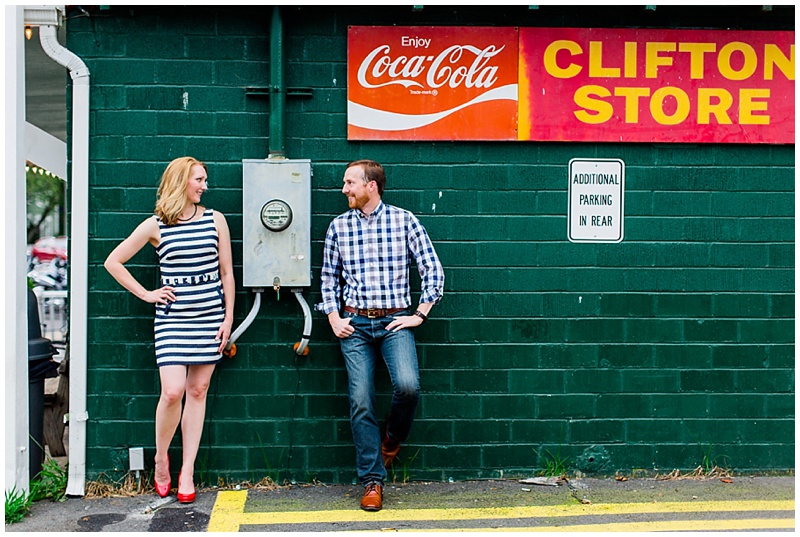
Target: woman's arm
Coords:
[[145, 232], [226, 276]]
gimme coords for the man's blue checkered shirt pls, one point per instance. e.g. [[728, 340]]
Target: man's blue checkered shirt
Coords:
[[372, 254]]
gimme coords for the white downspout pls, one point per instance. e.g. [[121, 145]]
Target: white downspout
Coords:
[[79, 256]]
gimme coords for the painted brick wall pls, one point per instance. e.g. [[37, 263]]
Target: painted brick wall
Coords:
[[672, 349]]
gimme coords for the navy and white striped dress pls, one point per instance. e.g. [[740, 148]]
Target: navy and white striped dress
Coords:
[[188, 256]]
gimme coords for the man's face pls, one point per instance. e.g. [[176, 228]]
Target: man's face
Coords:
[[355, 188]]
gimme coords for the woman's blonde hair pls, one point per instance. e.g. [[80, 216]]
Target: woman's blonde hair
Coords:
[[172, 197]]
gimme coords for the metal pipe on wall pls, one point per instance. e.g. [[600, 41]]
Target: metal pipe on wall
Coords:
[[277, 112], [277, 98]]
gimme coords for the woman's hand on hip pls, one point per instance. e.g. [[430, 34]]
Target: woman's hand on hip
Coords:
[[164, 295]]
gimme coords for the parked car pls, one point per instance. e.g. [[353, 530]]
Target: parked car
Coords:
[[48, 248]]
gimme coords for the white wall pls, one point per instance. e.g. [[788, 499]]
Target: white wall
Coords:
[[12, 244]]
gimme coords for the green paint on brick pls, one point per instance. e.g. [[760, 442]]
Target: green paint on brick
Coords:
[[679, 338]]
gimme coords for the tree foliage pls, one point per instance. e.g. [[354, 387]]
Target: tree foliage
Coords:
[[45, 195]]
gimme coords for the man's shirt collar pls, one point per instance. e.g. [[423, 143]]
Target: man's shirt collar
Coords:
[[374, 214]]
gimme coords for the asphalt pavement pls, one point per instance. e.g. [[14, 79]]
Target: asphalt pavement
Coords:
[[739, 503]]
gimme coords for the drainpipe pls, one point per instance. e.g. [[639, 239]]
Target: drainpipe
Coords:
[[78, 257]]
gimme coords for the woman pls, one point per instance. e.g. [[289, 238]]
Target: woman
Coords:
[[194, 308]]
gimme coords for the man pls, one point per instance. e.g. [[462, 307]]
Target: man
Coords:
[[369, 250]]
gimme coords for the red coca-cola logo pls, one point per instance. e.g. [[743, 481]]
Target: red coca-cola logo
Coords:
[[432, 83], [455, 66]]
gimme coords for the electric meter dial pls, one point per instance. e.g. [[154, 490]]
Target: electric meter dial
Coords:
[[276, 215]]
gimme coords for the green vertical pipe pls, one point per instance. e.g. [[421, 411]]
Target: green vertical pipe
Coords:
[[277, 98]]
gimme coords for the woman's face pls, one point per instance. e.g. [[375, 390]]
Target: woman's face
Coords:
[[197, 183]]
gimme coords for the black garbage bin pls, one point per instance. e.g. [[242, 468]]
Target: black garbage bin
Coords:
[[40, 366]]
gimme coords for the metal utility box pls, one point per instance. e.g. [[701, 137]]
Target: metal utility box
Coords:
[[276, 213]]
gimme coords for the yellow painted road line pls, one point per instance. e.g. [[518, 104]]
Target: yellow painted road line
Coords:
[[227, 513], [393, 515], [664, 525]]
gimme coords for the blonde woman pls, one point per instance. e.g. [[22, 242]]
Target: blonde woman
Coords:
[[194, 308]]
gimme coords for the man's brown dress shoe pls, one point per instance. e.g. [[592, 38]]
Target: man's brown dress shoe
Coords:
[[373, 497], [389, 450]]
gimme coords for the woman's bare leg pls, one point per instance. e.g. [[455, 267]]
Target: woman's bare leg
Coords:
[[194, 413], [168, 415]]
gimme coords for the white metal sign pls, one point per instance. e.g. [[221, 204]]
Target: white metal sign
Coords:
[[596, 200]]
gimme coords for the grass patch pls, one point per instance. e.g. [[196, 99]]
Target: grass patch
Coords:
[[50, 483], [18, 502], [554, 465], [405, 471]]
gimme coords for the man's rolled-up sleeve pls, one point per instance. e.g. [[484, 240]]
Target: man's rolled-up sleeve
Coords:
[[430, 268]]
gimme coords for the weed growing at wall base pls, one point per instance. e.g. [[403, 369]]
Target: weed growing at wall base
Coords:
[[50, 483], [406, 469], [273, 475], [554, 465], [17, 504], [710, 462]]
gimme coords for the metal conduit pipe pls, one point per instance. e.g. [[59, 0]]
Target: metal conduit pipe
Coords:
[[247, 320], [277, 92], [301, 347], [277, 97], [277, 112]]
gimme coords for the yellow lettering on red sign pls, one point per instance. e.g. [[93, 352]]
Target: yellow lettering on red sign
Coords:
[[659, 54], [595, 107], [669, 102]]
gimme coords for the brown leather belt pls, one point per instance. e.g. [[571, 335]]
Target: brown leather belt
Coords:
[[373, 313]]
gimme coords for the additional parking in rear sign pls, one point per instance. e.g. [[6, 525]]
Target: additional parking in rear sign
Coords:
[[596, 200]]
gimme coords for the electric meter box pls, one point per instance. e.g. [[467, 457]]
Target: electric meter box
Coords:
[[276, 223]]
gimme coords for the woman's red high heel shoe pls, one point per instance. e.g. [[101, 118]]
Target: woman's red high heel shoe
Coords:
[[185, 498], [163, 490]]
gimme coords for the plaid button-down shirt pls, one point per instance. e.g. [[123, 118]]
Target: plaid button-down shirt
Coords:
[[372, 254]]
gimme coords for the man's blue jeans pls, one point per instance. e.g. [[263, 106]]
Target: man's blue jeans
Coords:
[[362, 350]]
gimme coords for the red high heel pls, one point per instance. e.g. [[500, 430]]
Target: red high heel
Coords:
[[163, 490], [186, 498]]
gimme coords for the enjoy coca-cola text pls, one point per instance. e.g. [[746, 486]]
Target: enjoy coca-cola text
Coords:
[[447, 68]]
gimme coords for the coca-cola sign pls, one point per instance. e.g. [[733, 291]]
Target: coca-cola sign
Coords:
[[432, 83]]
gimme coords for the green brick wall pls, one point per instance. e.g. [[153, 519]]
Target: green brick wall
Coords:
[[674, 345]]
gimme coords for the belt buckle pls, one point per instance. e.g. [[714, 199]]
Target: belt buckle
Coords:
[[372, 313]]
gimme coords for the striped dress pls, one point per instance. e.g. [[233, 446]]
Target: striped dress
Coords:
[[189, 261]]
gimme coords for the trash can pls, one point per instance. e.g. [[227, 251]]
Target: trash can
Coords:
[[40, 366]]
